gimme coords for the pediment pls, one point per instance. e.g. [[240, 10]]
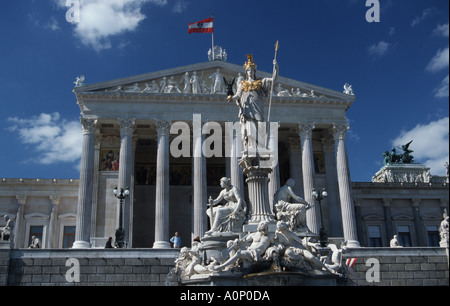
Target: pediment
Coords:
[[172, 82]]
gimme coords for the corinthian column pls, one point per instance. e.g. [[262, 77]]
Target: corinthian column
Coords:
[[126, 162], [313, 214], [162, 186], [347, 206], [84, 208], [199, 181]]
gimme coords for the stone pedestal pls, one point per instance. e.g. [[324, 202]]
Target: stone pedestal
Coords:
[[214, 245], [257, 181], [403, 173]]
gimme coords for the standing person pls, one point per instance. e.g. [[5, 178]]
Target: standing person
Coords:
[[176, 240]]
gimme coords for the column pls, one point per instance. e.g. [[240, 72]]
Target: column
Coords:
[[200, 225], [18, 237], [347, 206], [236, 174], [295, 163], [98, 143], [388, 218], [52, 235], [274, 183], [162, 186], [418, 224], [84, 208], [313, 214], [332, 188], [126, 161]]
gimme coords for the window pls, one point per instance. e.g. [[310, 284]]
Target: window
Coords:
[[404, 236], [36, 231], [375, 236], [433, 235], [68, 237]]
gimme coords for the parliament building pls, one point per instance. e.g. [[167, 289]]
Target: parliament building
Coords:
[[148, 133]]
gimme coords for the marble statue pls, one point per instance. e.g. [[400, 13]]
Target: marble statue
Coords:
[[296, 92], [7, 231], [260, 242], [348, 90], [195, 84], [187, 83], [133, 88], [172, 86], [249, 98], [298, 253], [151, 88], [443, 229], [217, 84], [294, 214], [35, 243], [79, 81], [225, 218], [190, 263], [281, 92], [395, 243]]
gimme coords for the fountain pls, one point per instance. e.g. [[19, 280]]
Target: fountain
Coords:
[[248, 244]]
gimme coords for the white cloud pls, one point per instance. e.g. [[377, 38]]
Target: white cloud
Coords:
[[439, 61], [427, 13], [443, 90], [431, 144], [180, 6], [441, 30], [55, 140], [102, 19], [379, 49]]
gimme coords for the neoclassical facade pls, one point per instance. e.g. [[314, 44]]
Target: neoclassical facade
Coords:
[[170, 136]]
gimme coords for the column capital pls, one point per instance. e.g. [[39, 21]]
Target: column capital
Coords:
[[22, 199], [55, 199], [358, 202], [88, 125], [340, 130], [305, 129], [126, 125], [163, 127], [387, 202], [416, 202]]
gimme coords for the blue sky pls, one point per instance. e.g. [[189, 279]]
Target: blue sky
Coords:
[[399, 67]]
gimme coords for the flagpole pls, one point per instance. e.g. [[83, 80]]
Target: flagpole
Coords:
[[212, 36]]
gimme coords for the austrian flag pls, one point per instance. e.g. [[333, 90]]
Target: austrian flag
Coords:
[[205, 26]]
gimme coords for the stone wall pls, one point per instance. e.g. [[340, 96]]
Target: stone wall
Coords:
[[150, 267], [399, 267], [96, 267]]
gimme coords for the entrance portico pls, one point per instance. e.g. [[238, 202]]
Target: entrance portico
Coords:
[[169, 194]]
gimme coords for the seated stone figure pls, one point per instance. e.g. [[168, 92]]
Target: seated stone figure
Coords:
[[260, 242], [298, 253], [293, 214], [7, 231], [231, 216]]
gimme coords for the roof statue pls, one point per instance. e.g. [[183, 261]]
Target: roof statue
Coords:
[[79, 82], [348, 90], [394, 158]]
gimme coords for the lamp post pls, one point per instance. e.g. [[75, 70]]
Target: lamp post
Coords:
[[120, 232], [323, 236]]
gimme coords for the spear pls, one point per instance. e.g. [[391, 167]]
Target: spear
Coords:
[[271, 93], [273, 81]]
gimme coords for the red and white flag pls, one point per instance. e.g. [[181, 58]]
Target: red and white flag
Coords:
[[204, 26], [351, 262]]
